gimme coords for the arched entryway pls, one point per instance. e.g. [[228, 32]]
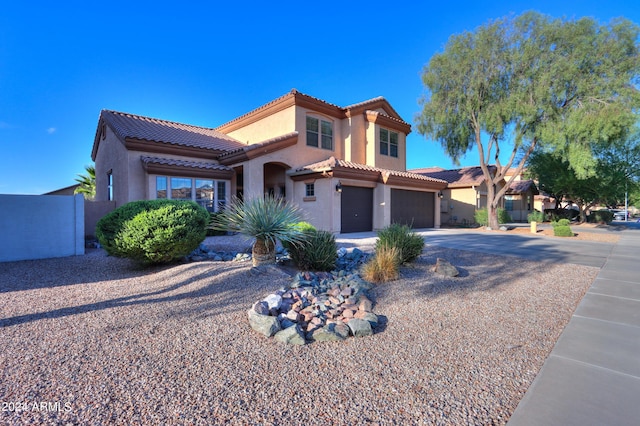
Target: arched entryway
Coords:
[[275, 178]]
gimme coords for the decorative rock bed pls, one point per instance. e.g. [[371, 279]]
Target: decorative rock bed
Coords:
[[317, 307]]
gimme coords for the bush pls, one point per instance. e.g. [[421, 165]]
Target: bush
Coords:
[[535, 216], [600, 216], [318, 252], [153, 231], [481, 216], [401, 237], [561, 228], [562, 231], [384, 266], [553, 215]]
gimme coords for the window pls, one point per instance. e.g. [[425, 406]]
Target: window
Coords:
[[204, 193], [222, 194], [161, 187], [310, 190], [508, 202], [210, 194], [109, 185], [180, 189], [319, 133], [388, 143]]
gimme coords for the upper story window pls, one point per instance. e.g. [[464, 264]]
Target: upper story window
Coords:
[[319, 133], [388, 143]]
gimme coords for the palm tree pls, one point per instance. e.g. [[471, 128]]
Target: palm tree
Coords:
[[87, 183], [267, 219]]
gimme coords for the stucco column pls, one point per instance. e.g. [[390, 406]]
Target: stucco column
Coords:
[[253, 175]]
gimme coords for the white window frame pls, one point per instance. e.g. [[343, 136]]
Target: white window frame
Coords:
[[387, 144]]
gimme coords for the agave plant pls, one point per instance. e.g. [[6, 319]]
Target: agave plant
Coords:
[[267, 219]]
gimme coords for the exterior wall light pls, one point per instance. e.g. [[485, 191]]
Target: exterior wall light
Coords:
[[339, 187], [440, 195]]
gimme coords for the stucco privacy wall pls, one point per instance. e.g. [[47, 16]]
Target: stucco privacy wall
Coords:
[[41, 226]]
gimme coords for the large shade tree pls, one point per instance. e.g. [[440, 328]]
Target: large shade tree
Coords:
[[516, 84]]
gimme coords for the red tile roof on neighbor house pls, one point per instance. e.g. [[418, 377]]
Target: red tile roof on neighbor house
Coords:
[[182, 163], [333, 163], [131, 126], [522, 186], [456, 178]]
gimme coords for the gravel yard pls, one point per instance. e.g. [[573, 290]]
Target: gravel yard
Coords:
[[97, 340]]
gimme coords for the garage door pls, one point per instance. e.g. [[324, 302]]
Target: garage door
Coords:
[[356, 209], [413, 208]]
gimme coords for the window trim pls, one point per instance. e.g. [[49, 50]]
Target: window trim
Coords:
[[320, 134], [387, 144], [217, 203]]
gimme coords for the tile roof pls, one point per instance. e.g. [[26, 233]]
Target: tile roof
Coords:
[[468, 176], [333, 163], [294, 97], [521, 186], [153, 129], [183, 163]]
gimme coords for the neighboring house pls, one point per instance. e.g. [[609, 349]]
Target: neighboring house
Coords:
[[541, 201], [466, 192], [344, 166], [68, 190]]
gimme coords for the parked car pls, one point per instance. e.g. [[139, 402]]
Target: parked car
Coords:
[[620, 214]]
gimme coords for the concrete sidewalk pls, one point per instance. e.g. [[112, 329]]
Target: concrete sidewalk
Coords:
[[592, 376]]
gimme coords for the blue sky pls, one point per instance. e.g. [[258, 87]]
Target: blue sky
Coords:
[[203, 63]]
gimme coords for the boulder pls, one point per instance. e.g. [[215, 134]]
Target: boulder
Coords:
[[327, 333], [360, 327], [263, 324], [291, 335], [445, 268]]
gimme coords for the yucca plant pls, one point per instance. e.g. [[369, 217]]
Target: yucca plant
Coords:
[[267, 219]]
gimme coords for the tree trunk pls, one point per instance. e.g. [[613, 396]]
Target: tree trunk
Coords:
[[492, 213], [263, 253]]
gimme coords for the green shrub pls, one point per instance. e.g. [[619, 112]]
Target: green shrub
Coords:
[[318, 252], [535, 216], [153, 231], [408, 243], [481, 216], [561, 228], [553, 215], [384, 266], [562, 231], [600, 216], [561, 222]]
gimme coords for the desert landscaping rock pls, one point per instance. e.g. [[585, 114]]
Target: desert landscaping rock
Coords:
[[445, 268], [118, 344], [313, 304], [263, 324]]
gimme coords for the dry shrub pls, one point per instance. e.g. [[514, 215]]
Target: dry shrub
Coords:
[[384, 266]]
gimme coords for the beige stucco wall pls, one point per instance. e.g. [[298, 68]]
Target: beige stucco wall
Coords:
[[458, 202], [355, 139], [323, 210], [112, 155], [278, 124]]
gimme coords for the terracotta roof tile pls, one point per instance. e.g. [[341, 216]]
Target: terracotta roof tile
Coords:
[[468, 176], [521, 186], [332, 163], [183, 163], [153, 129]]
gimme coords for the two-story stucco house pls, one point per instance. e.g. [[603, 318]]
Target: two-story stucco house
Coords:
[[344, 166]]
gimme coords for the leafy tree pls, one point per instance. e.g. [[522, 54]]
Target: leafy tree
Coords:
[[531, 81], [615, 174], [87, 183]]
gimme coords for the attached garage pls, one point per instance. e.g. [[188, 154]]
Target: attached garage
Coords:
[[356, 209], [414, 208]]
